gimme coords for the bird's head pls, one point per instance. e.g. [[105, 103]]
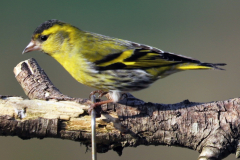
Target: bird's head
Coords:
[[49, 37]]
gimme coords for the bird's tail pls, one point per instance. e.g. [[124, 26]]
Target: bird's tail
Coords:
[[193, 66]]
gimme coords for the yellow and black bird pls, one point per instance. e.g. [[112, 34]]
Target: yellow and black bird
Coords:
[[108, 64]]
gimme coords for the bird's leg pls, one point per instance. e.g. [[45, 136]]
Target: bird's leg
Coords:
[[100, 93], [94, 105]]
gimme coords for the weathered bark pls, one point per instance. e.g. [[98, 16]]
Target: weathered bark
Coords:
[[210, 128]]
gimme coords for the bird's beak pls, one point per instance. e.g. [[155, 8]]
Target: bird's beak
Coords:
[[32, 46]]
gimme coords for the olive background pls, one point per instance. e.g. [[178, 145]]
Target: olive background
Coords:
[[206, 30]]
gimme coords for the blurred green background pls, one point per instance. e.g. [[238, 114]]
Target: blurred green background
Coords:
[[203, 29]]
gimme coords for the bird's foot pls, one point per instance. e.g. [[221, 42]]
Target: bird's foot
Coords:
[[100, 93], [94, 105]]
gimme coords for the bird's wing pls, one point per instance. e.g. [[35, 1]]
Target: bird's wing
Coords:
[[143, 57], [113, 54]]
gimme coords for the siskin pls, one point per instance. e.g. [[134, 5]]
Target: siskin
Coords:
[[108, 64]]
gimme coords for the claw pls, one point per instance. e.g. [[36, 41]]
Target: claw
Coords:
[[100, 92], [94, 105]]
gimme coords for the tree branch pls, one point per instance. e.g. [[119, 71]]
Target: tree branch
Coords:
[[210, 128]]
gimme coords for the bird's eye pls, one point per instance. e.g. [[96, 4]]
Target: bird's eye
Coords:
[[44, 38]]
